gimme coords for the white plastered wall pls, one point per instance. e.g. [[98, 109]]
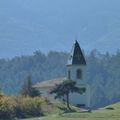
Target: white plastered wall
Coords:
[[76, 98]]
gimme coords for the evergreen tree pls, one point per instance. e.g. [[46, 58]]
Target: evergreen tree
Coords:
[[1, 93], [65, 88], [28, 89]]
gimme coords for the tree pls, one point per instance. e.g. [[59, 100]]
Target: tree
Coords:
[[1, 93], [28, 89], [65, 88]]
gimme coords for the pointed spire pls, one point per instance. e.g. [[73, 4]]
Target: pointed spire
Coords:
[[76, 57]]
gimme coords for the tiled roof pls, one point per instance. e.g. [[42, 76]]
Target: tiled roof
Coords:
[[49, 83]]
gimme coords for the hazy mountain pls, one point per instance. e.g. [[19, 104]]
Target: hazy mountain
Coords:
[[29, 25]]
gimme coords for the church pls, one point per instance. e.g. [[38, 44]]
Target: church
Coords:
[[75, 71]]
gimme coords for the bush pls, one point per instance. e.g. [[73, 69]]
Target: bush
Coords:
[[7, 107], [20, 107], [28, 107]]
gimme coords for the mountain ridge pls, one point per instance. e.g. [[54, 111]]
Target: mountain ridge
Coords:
[[26, 26]]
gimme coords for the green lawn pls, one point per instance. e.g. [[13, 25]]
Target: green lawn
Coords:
[[111, 112]]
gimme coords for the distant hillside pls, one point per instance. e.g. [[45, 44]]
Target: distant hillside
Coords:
[[29, 25], [102, 73]]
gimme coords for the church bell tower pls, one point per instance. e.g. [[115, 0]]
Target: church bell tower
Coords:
[[76, 64], [75, 71]]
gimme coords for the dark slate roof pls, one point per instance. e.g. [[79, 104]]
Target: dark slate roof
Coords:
[[76, 56]]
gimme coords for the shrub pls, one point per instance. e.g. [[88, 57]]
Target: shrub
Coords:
[[21, 107], [28, 107], [7, 107]]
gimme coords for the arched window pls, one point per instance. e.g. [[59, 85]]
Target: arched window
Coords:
[[79, 74], [69, 74]]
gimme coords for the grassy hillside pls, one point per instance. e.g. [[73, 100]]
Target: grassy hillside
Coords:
[[111, 112]]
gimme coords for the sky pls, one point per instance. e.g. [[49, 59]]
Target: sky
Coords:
[[30, 25]]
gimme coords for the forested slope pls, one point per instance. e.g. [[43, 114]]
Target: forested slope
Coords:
[[102, 73]]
